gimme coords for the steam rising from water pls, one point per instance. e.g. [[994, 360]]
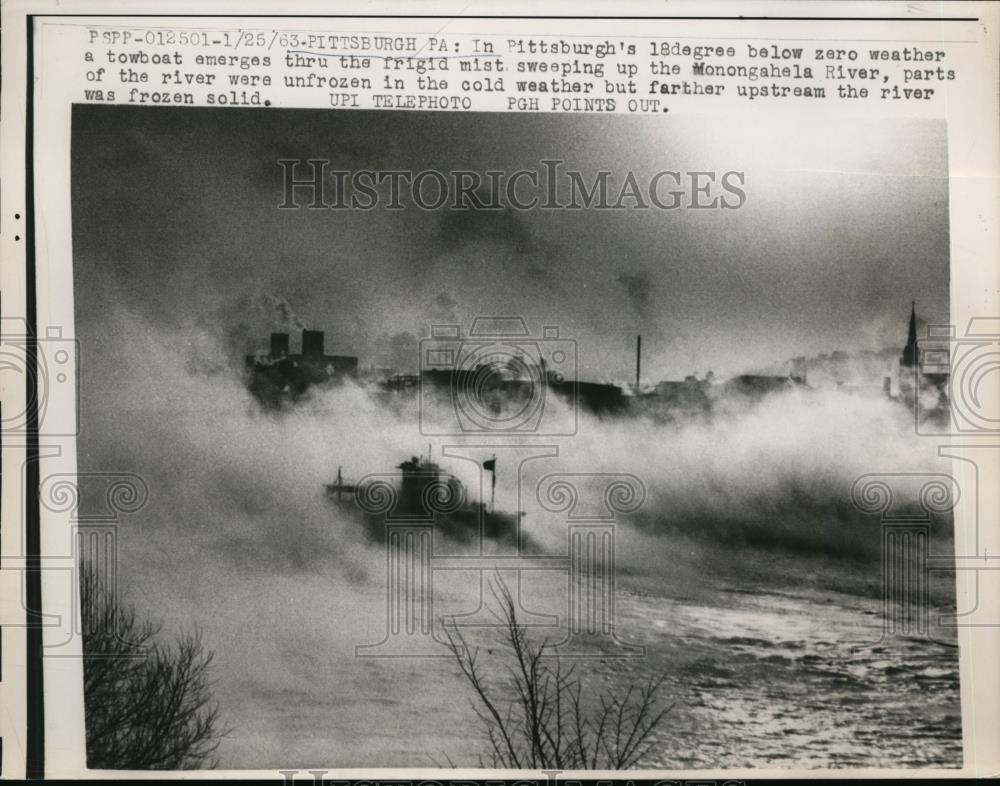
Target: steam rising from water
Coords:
[[238, 539], [227, 475]]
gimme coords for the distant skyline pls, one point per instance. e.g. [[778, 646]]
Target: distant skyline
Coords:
[[176, 220]]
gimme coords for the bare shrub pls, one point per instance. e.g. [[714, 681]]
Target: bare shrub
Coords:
[[148, 703], [541, 717]]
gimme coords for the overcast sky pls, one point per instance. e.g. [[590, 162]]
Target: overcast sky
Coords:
[[175, 216]]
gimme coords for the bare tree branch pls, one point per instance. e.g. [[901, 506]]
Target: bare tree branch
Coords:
[[148, 703], [548, 721]]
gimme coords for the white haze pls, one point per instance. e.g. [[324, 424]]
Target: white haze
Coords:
[[228, 475], [238, 540]]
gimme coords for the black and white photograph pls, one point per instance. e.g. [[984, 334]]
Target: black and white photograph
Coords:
[[529, 441]]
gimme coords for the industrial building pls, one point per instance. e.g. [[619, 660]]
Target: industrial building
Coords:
[[280, 375]]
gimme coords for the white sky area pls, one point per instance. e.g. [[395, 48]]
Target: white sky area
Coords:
[[176, 220]]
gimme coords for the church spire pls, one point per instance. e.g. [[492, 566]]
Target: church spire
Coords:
[[910, 352]]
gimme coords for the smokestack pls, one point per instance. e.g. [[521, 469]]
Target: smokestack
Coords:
[[279, 345], [638, 361], [312, 342]]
